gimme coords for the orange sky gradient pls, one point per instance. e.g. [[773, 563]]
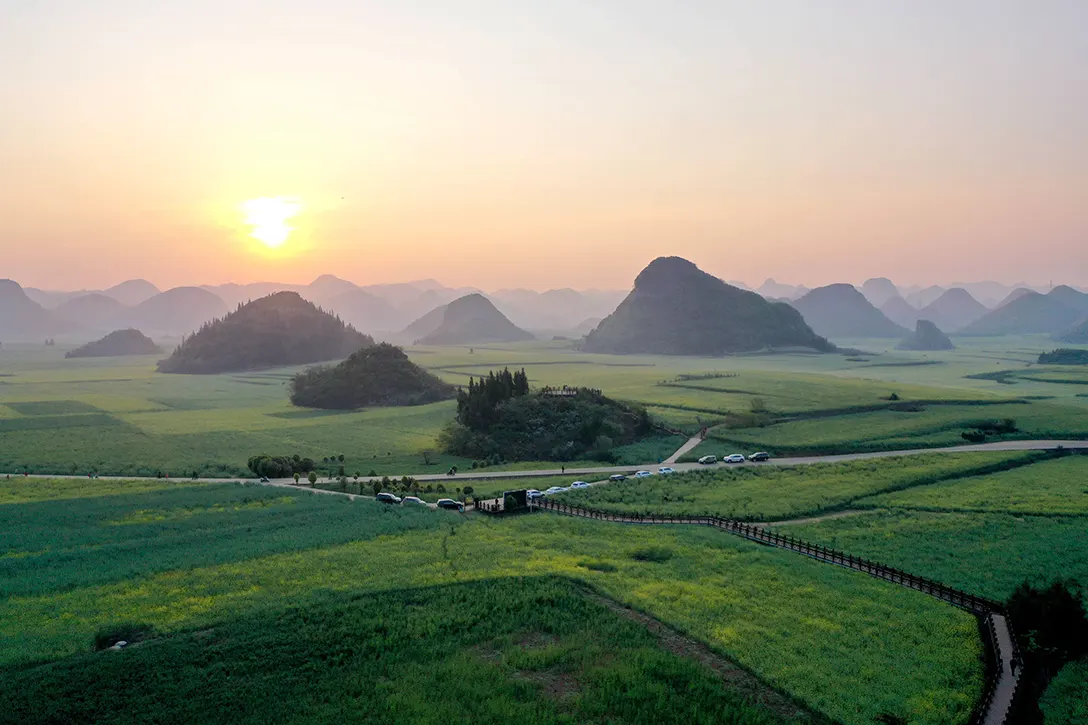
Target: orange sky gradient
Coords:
[[547, 145]]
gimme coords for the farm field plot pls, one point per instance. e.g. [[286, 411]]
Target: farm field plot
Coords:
[[515, 650], [1053, 487], [757, 493], [987, 554], [804, 627], [931, 426]]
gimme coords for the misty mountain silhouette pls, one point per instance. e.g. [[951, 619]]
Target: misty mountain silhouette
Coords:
[[899, 311], [1070, 298], [953, 310], [1077, 334], [132, 292], [840, 311], [473, 319], [366, 312], [926, 336], [1014, 295], [281, 329], [677, 309], [96, 311], [921, 298], [879, 290], [1029, 313], [116, 344], [23, 318], [176, 311]]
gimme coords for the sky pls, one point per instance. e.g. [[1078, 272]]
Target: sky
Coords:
[[558, 143]]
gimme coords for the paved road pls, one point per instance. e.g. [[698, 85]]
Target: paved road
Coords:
[[1006, 678], [691, 443], [604, 471]]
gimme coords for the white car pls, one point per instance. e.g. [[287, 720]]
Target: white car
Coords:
[[665, 470], [642, 474], [414, 499], [707, 460], [532, 494], [735, 458], [554, 490], [579, 484]]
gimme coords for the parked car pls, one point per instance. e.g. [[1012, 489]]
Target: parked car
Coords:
[[761, 456], [707, 460], [734, 458], [388, 497], [617, 477], [665, 470], [643, 474], [579, 484], [532, 494], [414, 499], [554, 490], [449, 503], [264, 479]]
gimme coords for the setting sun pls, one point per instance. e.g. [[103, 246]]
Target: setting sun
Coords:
[[268, 216]]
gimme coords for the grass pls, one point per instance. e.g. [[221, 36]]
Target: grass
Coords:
[[806, 628], [520, 650], [772, 492], [986, 554], [1056, 487]]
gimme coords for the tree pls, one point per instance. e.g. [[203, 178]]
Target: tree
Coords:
[[312, 477], [296, 476], [758, 405], [376, 487], [340, 458], [427, 457], [468, 490]]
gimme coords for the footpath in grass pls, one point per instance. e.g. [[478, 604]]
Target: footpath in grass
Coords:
[[847, 645], [517, 650], [772, 492], [1054, 487]]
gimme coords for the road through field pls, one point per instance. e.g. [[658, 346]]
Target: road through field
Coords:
[[474, 475]]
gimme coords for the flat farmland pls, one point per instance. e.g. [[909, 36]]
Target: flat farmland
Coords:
[[177, 563]]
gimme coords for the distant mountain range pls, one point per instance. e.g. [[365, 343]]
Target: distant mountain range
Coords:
[[1029, 313], [473, 320]]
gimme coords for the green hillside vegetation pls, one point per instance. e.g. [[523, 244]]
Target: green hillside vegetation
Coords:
[[379, 375], [926, 336], [840, 311], [677, 309], [116, 344], [473, 320], [1064, 356], [278, 330], [499, 416]]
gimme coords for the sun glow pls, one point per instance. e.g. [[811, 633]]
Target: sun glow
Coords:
[[268, 215]]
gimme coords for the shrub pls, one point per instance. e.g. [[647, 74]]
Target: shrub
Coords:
[[130, 632], [655, 554]]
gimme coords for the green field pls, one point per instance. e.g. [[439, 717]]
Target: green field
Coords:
[[118, 416], [1055, 487], [515, 650], [209, 569], [772, 492]]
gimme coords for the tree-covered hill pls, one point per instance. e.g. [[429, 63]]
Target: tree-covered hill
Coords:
[[473, 319], [274, 331], [500, 416], [116, 344], [677, 309], [379, 375]]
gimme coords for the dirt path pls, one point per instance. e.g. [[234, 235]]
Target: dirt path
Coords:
[[813, 519], [732, 675]]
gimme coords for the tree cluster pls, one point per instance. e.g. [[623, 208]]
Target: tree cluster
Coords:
[[1064, 356], [280, 466], [378, 375], [498, 418], [477, 407]]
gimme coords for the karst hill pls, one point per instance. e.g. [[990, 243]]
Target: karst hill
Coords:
[[677, 309], [274, 331]]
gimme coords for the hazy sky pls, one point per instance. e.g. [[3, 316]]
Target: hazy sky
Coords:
[[544, 144]]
